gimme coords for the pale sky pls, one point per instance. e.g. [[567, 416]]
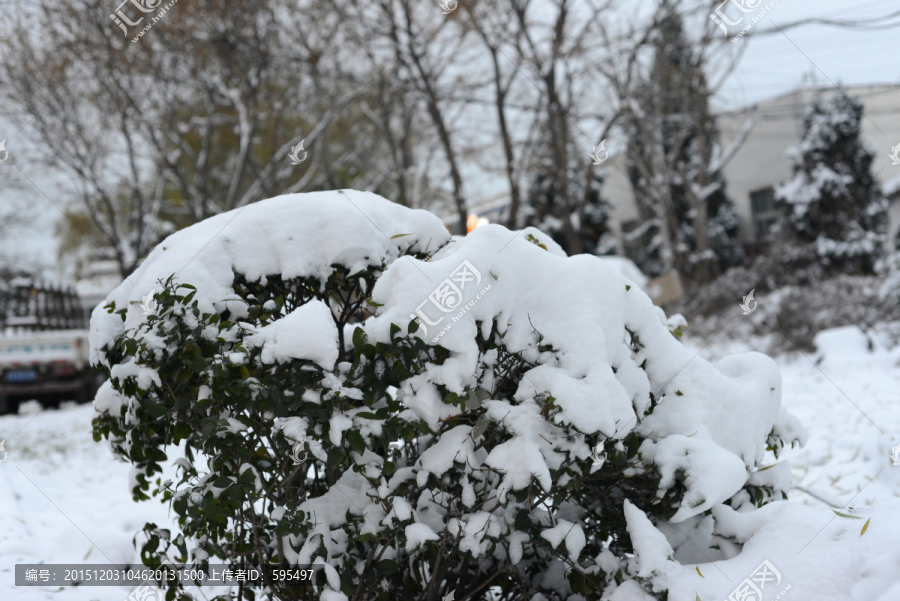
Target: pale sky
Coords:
[[776, 63]]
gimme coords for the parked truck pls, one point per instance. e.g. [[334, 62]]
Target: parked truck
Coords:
[[43, 345]]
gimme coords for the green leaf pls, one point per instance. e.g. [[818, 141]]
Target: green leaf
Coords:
[[369, 301], [245, 373], [522, 521], [399, 236], [699, 572], [387, 566], [482, 394], [535, 241], [576, 580], [182, 430], [154, 409], [627, 287], [184, 376], [865, 527], [356, 441], [679, 393], [846, 515], [359, 337], [335, 458], [481, 425]]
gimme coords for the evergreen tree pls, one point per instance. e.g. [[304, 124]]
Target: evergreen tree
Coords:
[[675, 168], [833, 199], [591, 220]]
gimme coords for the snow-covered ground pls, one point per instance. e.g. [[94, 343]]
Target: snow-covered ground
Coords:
[[65, 499], [850, 404], [848, 397]]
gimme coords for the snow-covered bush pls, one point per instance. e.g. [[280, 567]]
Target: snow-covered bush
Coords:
[[833, 199], [349, 387]]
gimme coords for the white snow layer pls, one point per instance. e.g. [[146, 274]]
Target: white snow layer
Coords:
[[811, 552], [308, 332], [295, 235], [626, 268], [52, 453], [716, 417]]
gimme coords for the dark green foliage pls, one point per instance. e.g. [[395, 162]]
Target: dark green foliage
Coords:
[[238, 494]]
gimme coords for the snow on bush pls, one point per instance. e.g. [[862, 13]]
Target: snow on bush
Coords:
[[483, 415]]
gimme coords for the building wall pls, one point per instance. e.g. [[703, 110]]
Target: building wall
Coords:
[[762, 161]]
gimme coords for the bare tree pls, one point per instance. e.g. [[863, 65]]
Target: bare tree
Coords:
[[201, 113], [428, 50], [196, 117]]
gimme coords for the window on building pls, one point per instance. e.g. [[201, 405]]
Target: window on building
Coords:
[[765, 213]]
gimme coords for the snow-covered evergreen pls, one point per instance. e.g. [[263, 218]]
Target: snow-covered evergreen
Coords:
[[547, 210], [890, 268], [688, 222], [835, 213]]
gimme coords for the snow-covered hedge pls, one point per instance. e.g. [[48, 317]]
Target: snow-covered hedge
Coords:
[[351, 388]]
